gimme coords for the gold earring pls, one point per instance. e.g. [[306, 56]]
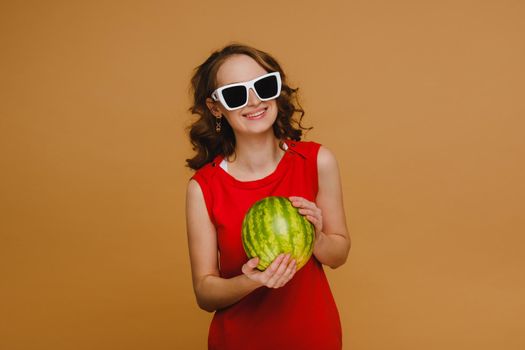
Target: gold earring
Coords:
[[218, 124]]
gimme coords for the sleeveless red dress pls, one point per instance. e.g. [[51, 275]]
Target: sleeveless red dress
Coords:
[[300, 315]]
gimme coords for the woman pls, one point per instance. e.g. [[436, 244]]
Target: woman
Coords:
[[249, 147]]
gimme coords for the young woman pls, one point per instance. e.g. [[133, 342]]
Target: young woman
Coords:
[[248, 147]]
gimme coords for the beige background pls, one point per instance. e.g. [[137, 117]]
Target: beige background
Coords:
[[421, 101]]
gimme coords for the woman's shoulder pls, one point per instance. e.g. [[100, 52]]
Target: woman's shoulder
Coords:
[[323, 156], [326, 157], [307, 149], [207, 171]]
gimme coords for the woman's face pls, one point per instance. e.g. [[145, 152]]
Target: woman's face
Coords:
[[245, 120]]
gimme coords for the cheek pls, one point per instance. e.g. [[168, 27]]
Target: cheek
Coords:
[[274, 109], [235, 115]]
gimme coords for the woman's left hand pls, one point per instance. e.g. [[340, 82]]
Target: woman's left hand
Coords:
[[311, 211]]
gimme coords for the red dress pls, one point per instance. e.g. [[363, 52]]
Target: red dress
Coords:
[[300, 315]]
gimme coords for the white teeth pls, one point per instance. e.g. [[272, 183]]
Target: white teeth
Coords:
[[255, 114]]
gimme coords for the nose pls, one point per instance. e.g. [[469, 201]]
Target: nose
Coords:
[[252, 98]]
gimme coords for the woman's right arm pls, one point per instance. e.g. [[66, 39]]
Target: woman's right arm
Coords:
[[212, 291]]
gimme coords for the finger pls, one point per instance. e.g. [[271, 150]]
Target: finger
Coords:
[[270, 270], [272, 281], [311, 216], [313, 219], [306, 211], [297, 200], [303, 202], [253, 262], [288, 274], [280, 267], [250, 265], [316, 214], [318, 224]]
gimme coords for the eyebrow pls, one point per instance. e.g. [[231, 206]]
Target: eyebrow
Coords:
[[244, 81]]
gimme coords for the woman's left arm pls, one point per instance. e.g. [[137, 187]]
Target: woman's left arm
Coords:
[[332, 241]]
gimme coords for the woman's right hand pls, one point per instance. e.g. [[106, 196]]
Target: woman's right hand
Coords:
[[280, 271]]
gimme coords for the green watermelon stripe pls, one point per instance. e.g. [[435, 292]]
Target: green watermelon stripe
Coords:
[[296, 228], [247, 234], [287, 222], [298, 244], [260, 229], [254, 238], [273, 222], [284, 211], [301, 243], [271, 246], [248, 231], [248, 244], [275, 241], [265, 234], [306, 241], [248, 247]]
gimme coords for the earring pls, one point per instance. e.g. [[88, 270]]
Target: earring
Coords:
[[218, 124]]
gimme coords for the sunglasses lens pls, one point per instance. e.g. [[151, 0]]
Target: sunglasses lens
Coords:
[[267, 87], [235, 96]]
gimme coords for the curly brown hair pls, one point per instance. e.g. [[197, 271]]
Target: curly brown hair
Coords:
[[203, 136]]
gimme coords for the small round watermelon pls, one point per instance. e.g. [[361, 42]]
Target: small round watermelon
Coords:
[[273, 226]]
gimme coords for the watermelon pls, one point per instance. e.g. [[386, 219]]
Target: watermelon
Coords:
[[273, 226]]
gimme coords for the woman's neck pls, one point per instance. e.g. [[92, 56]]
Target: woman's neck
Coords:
[[256, 155]]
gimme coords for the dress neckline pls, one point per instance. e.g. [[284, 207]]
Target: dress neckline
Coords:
[[275, 174]]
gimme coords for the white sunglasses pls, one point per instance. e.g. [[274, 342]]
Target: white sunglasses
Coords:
[[235, 96]]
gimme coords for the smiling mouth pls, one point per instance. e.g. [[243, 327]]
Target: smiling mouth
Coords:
[[256, 115]]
